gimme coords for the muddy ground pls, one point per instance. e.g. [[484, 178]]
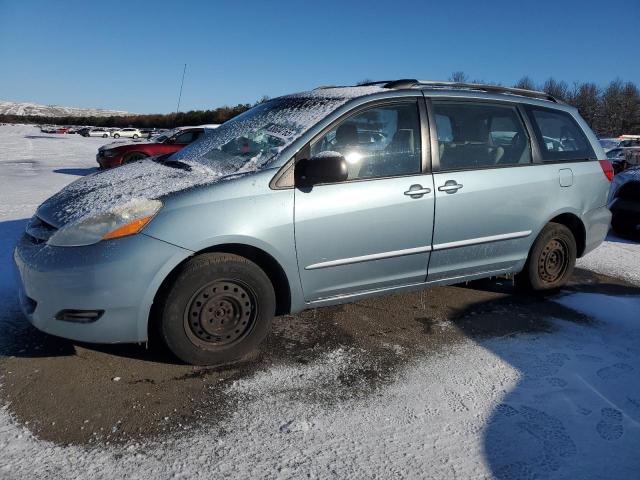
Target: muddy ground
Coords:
[[75, 393]]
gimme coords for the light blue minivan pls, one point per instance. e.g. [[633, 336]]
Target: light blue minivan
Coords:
[[315, 199]]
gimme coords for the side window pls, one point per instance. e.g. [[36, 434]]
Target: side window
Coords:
[[478, 135], [559, 136], [383, 141], [186, 137]]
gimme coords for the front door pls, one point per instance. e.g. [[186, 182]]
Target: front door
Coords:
[[372, 231]]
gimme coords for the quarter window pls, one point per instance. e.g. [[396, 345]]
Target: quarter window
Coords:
[[559, 136], [475, 135], [383, 141]]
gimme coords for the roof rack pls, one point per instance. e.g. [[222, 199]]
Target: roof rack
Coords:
[[409, 83]]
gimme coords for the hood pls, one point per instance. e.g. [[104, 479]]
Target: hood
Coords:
[[119, 143], [147, 179]]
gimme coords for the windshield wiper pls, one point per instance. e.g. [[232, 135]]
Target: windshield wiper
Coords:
[[164, 160]]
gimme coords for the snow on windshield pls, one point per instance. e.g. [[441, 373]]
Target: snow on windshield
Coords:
[[241, 145], [255, 137]]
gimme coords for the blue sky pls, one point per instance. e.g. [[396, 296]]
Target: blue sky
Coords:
[[129, 54]]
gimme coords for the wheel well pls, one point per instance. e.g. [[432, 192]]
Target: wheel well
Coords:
[[261, 258], [573, 223]]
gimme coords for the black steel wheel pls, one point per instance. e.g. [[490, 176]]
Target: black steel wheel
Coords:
[[551, 259], [217, 310], [220, 313]]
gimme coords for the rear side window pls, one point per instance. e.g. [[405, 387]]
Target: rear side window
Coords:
[[480, 135], [559, 136]]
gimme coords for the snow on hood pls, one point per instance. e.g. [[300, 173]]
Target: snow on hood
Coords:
[[203, 162], [106, 190]]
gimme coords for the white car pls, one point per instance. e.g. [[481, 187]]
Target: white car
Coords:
[[127, 132], [98, 132]]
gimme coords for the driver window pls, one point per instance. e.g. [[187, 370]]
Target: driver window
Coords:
[[383, 141], [185, 137]]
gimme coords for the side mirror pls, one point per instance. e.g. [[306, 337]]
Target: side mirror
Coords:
[[325, 167]]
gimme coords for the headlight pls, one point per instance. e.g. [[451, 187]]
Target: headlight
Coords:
[[120, 221]]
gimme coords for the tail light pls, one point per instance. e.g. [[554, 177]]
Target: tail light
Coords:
[[607, 169]]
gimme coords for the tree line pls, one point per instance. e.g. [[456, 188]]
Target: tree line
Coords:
[[157, 120], [611, 110]]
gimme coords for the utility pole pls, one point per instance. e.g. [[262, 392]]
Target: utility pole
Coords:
[[180, 94]]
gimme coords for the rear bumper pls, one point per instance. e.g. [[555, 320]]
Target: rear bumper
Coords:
[[597, 223], [119, 278]]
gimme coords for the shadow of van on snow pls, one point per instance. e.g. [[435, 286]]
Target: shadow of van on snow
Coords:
[[76, 171], [575, 411]]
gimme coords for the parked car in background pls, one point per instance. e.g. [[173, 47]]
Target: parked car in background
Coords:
[[97, 132], [624, 202], [116, 153], [609, 143], [61, 130], [127, 132], [624, 157]]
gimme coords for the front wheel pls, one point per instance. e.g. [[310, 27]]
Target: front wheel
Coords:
[[105, 135], [135, 135], [218, 310], [133, 157], [551, 260], [116, 135]]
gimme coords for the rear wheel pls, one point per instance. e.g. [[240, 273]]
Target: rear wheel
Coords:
[[135, 135], [116, 135], [105, 135], [551, 260], [218, 309]]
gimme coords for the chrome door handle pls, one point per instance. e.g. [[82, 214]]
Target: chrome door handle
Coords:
[[417, 191], [450, 186]]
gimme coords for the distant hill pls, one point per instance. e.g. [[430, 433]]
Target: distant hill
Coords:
[[35, 109]]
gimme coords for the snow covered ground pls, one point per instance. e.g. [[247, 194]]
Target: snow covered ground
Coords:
[[561, 401]]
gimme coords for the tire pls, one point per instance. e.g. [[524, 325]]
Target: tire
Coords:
[[116, 135], [135, 136], [624, 225], [133, 157], [551, 260], [218, 309], [105, 136]]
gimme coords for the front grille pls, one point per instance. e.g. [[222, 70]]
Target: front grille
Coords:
[[39, 231]]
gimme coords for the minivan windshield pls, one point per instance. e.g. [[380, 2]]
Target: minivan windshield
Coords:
[[254, 139]]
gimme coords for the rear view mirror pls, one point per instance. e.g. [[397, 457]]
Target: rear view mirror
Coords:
[[326, 167]]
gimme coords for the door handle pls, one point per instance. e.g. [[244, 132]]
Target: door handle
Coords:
[[450, 186], [417, 191]]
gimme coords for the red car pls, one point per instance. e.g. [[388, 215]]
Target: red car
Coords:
[[118, 153]]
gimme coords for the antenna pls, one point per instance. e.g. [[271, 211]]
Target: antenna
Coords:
[[181, 84]]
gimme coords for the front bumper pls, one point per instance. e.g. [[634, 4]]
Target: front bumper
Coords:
[[119, 277], [108, 162]]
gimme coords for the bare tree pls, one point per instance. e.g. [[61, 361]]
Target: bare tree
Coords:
[[459, 77], [558, 89], [525, 83]]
